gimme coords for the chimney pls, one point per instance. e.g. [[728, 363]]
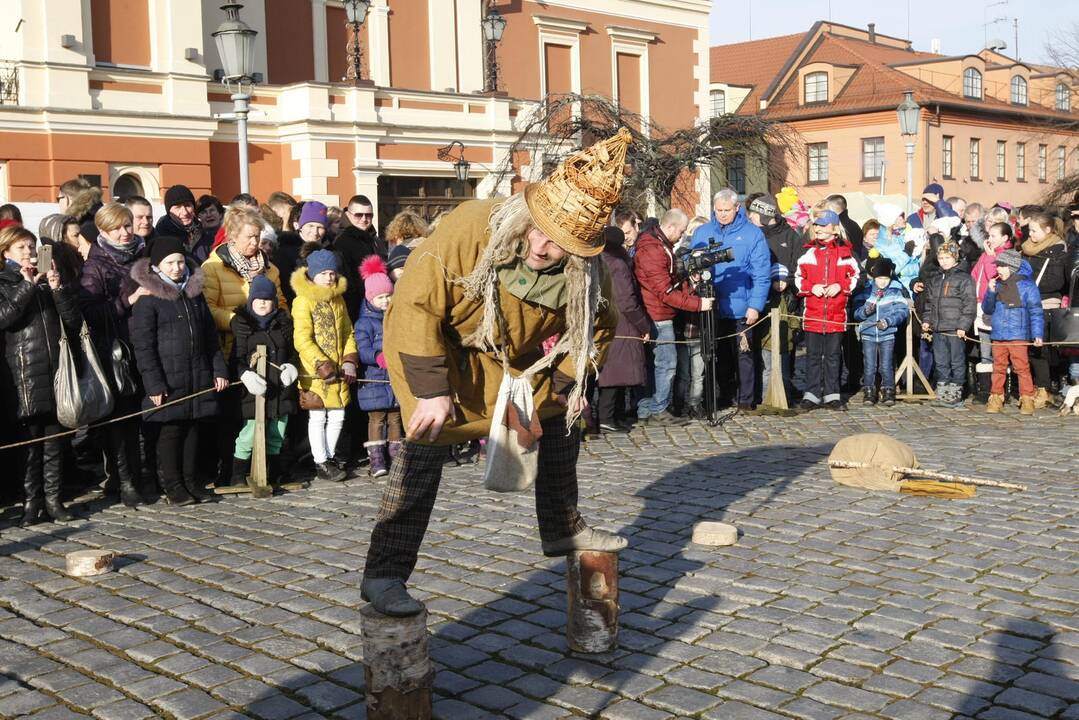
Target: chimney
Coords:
[[872, 32]]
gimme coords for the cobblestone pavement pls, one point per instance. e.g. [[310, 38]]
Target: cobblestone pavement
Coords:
[[835, 603]]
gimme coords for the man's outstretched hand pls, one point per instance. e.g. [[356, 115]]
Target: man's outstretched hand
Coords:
[[429, 417]]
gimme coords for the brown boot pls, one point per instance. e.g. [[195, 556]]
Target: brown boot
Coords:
[[1027, 403], [1041, 398], [995, 404]]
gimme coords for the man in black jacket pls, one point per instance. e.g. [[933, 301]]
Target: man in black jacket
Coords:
[[838, 204], [353, 244]]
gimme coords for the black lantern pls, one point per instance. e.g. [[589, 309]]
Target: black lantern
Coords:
[[461, 168], [355, 13], [460, 165], [493, 26]]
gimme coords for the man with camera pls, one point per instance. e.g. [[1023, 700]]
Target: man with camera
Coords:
[[664, 293], [741, 285]]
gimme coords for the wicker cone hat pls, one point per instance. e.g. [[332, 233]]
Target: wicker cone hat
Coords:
[[573, 205]]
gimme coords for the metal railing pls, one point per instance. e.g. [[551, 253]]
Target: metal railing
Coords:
[[9, 84]]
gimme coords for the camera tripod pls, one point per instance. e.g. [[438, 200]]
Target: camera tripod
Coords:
[[707, 324]]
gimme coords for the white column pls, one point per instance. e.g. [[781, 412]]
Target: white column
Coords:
[[64, 82], [470, 45], [378, 43], [174, 28], [443, 51], [318, 29]]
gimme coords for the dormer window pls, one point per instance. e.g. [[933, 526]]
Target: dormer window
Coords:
[[816, 87], [719, 103], [1019, 90], [972, 83], [1064, 97]]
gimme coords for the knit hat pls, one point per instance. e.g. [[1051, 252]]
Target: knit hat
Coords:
[[178, 195], [765, 206], [321, 261], [313, 212], [779, 271], [878, 266], [164, 246], [828, 217], [572, 205], [949, 248], [887, 213], [375, 280], [397, 257], [933, 191], [1009, 258]]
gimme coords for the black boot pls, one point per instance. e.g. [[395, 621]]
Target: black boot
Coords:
[[273, 469], [51, 473], [239, 471], [196, 489], [34, 494], [173, 485], [984, 385], [887, 397], [869, 395]]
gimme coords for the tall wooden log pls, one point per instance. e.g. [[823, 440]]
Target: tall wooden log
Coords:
[[397, 666], [257, 479], [777, 393], [592, 599]]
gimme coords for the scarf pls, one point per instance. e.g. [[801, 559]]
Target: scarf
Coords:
[[179, 285], [248, 268], [1031, 248], [1008, 291], [508, 224], [127, 250]]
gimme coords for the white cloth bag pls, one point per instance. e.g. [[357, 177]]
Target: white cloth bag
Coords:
[[513, 443]]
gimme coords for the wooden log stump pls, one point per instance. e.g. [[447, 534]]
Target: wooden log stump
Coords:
[[714, 533], [592, 598], [397, 666], [86, 563]]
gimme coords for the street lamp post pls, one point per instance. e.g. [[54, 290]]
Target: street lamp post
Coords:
[[909, 113], [355, 14], [236, 46], [493, 26], [460, 165]]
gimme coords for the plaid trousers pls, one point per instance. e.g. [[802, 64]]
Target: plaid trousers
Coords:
[[410, 494]]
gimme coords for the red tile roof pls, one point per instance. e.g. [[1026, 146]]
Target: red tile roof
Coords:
[[752, 64]]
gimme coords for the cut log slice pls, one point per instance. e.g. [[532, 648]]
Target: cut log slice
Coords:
[[715, 533]]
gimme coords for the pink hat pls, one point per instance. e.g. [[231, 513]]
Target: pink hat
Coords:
[[375, 280]]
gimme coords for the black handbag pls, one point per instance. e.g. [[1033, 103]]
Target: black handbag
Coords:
[[123, 374]]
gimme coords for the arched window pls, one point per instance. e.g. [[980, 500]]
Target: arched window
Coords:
[[126, 186], [1064, 97], [972, 83], [1019, 90], [816, 87], [719, 103]]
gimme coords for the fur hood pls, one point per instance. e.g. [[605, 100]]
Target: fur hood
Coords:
[[304, 288], [83, 203], [144, 275]]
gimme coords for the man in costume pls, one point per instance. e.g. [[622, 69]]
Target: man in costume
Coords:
[[496, 279]]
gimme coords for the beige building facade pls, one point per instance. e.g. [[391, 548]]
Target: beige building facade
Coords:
[[122, 91], [990, 128]]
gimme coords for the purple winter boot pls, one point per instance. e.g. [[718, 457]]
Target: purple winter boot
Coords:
[[376, 455]]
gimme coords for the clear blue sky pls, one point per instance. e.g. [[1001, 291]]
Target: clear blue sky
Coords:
[[959, 24]]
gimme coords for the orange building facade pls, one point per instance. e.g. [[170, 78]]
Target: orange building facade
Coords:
[[121, 91], [990, 128]]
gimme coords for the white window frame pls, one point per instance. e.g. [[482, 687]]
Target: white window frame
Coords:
[[823, 146], [5, 189], [565, 33], [805, 86], [1062, 162], [1043, 162], [1021, 162], [1002, 160], [947, 156], [1064, 97], [722, 96], [883, 157], [975, 150], [1019, 90], [629, 41], [973, 74]]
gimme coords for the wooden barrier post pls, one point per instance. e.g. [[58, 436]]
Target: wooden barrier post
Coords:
[[909, 368], [397, 666], [592, 599], [777, 391]]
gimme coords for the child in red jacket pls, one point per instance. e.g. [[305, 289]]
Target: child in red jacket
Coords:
[[827, 274]]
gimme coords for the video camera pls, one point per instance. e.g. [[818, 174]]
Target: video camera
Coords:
[[691, 261]]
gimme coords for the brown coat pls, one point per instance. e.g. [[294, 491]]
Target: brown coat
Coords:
[[430, 314]]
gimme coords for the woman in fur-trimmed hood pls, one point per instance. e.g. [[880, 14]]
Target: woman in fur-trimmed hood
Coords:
[[178, 354]]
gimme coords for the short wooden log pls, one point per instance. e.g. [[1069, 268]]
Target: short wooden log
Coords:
[[397, 666], [86, 563], [592, 599], [714, 533]]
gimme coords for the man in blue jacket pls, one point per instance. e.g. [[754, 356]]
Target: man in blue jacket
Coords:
[[741, 288]]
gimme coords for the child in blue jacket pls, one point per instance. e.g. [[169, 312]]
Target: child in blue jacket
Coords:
[[1015, 305], [886, 308], [376, 397]]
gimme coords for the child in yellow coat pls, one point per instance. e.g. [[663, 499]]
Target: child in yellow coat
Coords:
[[328, 357]]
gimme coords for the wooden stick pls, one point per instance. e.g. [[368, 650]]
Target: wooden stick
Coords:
[[777, 393], [256, 481], [909, 368], [932, 475]]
